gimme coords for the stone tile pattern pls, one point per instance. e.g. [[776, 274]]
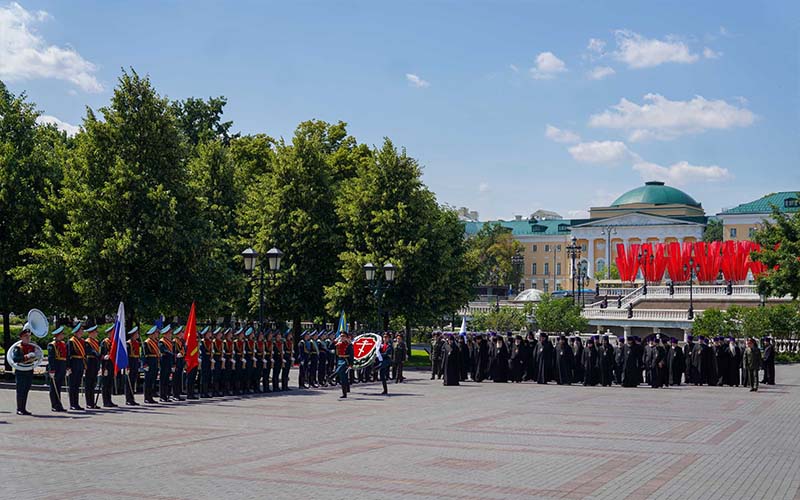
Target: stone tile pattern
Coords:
[[476, 441]]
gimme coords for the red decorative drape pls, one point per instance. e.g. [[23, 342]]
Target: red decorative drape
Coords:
[[654, 261], [679, 255], [736, 260], [709, 260], [627, 263]]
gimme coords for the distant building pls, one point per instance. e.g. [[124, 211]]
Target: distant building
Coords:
[[741, 221]]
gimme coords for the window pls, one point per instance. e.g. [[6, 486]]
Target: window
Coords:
[[584, 247], [751, 232], [533, 268], [546, 268], [558, 248], [733, 232], [546, 287], [535, 248], [558, 268], [547, 248], [533, 284], [791, 203], [558, 285]]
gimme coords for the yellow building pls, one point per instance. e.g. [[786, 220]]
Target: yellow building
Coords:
[[740, 222]]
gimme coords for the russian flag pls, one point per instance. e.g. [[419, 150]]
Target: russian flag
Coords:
[[119, 346]]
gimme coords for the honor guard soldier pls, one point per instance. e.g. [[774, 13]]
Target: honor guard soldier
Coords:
[[57, 368], [238, 361], [322, 363], [277, 361], [180, 362], [206, 362], [152, 354], [107, 369], [76, 354], [134, 362], [269, 341], [227, 357], [191, 375], [385, 355], [218, 363], [92, 368], [261, 353], [166, 364], [288, 361], [24, 352], [344, 362], [313, 365], [303, 359], [249, 361]]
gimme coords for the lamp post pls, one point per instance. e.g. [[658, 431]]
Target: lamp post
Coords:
[[644, 259], [608, 231], [250, 258], [583, 270], [378, 285], [517, 264], [691, 269], [574, 252]]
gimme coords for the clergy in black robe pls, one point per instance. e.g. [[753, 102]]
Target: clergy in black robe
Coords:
[[564, 362], [647, 351], [734, 361], [708, 363], [721, 360], [591, 364], [516, 360], [464, 361], [631, 369], [577, 356], [544, 357], [482, 360], [675, 363], [690, 372], [499, 364], [529, 358], [619, 360], [608, 362], [472, 343], [451, 361], [656, 362]]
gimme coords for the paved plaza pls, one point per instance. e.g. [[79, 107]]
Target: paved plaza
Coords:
[[478, 441]]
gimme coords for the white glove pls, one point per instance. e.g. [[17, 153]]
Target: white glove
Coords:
[[106, 357]]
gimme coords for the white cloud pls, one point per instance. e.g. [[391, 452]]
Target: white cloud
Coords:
[[483, 187], [601, 152], [596, 45], [639, 52], [660, 118], [513, 68], [416, 81], [681, 173], [563, 136], [709, 53], [600, 72], [69, 128], [578, 214], [547, 66], [25, 55]]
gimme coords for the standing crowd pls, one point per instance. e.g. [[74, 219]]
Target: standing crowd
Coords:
[[657, 361]]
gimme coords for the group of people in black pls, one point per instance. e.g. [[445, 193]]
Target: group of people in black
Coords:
[[655, 360]]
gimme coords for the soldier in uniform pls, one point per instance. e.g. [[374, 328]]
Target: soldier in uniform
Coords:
[[206, 362], [238, 361], [180, 362], [249, 361], [166, 364], [322, 361], [152, 355], [260, 353], [76, 353], [385, 355], [191, 375], [400, 354], [288, 361], [768, 361], [134, 362], [313, 364], [25, 352], [218, 363], [344, 362], [268, 343], [277, 361], [303, 360], [227, 355], [107, 369], [57, 368], [92, 367], [752, 363]]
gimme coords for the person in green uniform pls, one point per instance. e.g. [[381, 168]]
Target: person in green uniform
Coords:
[[752, 363]]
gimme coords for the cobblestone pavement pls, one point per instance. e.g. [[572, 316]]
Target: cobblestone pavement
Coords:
[[479, 441]]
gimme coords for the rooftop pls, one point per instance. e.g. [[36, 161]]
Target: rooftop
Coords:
[[523, 227], [786, 201], [655, 193]]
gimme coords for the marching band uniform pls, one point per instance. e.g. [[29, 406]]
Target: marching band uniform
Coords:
[[107, 369], [277, 361], [166, 364], [206, 358], [288, 360], [180, 363], [76, 353], [134, 361], [152, 355], [57, 368], [23, 353], [92, 367]]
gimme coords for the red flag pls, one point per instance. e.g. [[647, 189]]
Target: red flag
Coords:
[[192, 347]]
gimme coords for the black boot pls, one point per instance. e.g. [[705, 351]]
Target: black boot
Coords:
[[344, 393], [385, 389]]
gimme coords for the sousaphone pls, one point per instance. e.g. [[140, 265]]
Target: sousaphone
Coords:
[[39, 326]]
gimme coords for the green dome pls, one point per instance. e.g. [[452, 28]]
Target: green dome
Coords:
[[655, 193]]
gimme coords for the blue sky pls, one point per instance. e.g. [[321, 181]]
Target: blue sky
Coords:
[[509, 106]]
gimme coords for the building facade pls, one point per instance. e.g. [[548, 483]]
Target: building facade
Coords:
[[740, 222]]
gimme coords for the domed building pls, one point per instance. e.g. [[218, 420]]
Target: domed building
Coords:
[[653, 213]]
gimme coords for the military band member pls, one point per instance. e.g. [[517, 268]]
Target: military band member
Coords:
[[206, 362], [218, 363], [261, 350], [288, 361], [57, 368], [76, 354], [166, 363], [227, 360], [152, 355], [134, 362], [107, 369], [25, 352], [92, 367], [248, 379], [277, 361], [344, 362], [180, 362]]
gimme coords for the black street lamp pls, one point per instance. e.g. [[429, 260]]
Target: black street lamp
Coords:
[[517, 264], [583, 279], [644, 259], [691, 269], [250, 258], [378, 286], [574, 252]]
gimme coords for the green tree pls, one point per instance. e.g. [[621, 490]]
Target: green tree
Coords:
[[713, 231], [201, 120], [502, 320], [30, 168], [780, 251], [559, 315], [493, 247], [711, 323], [601, 271]]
